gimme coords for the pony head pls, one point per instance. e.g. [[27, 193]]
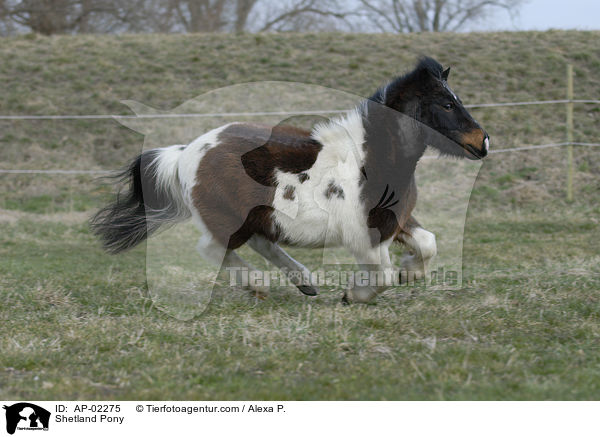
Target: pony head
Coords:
[[425, 96]]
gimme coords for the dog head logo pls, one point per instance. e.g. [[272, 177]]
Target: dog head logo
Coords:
[[26, 416]]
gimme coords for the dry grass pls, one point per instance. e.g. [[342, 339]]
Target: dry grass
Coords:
[[81, 324]]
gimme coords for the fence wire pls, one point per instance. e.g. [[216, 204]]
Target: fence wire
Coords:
[[254, 114], [100, 172]]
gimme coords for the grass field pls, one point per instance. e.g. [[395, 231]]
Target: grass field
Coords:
[[80, 324]]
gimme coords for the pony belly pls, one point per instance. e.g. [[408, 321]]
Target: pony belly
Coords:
[[309, 228]]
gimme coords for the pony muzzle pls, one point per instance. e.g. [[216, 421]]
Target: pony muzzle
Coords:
[[476, 143]]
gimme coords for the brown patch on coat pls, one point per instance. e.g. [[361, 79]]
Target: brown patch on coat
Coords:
[[288, 149], [303, 177], [393, 215], [289, 193], [236, 179], [406, 231], [474, 138], [334, 190]]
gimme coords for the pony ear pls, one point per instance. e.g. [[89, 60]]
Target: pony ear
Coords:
[[445, 73]]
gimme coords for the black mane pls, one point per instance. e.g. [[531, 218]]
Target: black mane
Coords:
[[430, 65], [424, 65]]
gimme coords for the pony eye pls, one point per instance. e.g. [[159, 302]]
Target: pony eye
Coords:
[[449, 106]]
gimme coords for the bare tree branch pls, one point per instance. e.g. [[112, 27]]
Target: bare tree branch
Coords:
[[431, 15], [91, 16], [302, 8], [242, 12]]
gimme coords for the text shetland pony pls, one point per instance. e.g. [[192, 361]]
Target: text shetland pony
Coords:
[[349, 182]]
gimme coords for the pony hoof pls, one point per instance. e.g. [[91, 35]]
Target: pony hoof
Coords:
[[309, 290], [345, 300], [260, 293]]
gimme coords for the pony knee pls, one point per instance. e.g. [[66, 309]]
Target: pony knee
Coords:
[[426, 246], [210, 250]]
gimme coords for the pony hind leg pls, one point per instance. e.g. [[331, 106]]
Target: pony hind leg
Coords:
[[296, 273], [238, 272], [231, 265]]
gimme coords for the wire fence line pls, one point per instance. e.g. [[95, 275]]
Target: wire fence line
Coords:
[[255, 114], [267, 113], [153, 116], [100, 172], [544, 146], [65, 172], [535, 102]]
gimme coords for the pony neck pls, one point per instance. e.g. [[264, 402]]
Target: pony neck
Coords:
[[393, 140]]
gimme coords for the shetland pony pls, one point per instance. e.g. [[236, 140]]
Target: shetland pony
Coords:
[[348, 182]]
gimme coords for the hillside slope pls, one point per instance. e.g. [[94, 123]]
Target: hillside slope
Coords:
[[94, 74]]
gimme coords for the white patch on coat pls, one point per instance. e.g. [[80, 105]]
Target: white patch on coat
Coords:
[[165, 168], [342, 135], [285, 206], [189, 161], [319, 219], [190, 157]]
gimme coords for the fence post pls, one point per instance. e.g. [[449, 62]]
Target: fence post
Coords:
[[570, 133]]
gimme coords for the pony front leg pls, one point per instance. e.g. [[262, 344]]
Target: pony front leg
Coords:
[[422, 247], [375, 274]]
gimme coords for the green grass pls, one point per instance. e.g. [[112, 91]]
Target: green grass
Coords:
[[80, 324]]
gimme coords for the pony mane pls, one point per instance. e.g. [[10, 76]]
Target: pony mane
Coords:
[[425, 64], [431, 65]]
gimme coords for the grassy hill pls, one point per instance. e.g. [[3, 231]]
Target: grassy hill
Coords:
[[78, 323], [93, 74]]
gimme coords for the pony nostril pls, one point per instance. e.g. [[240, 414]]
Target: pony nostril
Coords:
[[475, 140]]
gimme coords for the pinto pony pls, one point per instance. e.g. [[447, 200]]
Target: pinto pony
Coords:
[[349, 182]]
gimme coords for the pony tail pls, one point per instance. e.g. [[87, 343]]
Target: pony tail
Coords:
[[153, 199]]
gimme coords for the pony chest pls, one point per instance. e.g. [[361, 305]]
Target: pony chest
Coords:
[[317, 206]]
